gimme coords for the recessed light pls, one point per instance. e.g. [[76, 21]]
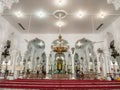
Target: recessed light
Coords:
[[60, 23], [80, 14], [102, 15], [19, 14], [60, 2], [41, 14]]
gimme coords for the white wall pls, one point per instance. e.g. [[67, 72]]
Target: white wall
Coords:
[[8, 32], [114, 29], [49, 38]]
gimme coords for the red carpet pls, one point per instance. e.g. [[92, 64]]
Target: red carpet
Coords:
[[60, 84]]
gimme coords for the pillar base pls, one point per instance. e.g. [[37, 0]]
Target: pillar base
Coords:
[[73, 76], [11, 76], [47, 76]]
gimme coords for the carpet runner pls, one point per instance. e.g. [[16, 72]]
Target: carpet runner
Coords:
[[60, 84]]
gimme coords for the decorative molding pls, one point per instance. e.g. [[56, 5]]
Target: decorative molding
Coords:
[[6, 4], [116, 3]]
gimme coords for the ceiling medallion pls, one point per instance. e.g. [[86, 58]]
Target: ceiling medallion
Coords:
[[60, 14], [60, 48], [6, 4], [116, 3]]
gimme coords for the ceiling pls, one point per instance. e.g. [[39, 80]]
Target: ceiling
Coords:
[[73, 24]]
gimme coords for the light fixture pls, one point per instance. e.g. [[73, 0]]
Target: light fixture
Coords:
[[102, 15], [80, 14], [60, 2], [60, 47], [6, 4], [41, 14], [19, 14], [60, 13], [60, 23]]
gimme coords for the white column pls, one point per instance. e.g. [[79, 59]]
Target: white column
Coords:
[[13, 59], [1, 50], [106, 63], [102, 64], [53, 61], [32, 58], [66, 58], [0, 57], [47, 66], [73, 70]]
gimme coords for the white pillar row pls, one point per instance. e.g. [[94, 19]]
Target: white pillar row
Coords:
[[47, 66]]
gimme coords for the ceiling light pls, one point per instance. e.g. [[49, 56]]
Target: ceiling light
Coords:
[[60, 2], [80, 14], [60, 23], [102, 15], [40, 14], [19, 14]]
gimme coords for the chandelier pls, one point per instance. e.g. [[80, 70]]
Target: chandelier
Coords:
[[116, 3], [60, 47], [6, 4]]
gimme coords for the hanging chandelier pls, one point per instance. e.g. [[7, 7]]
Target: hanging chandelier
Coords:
[[6, 4], [60, 47]]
